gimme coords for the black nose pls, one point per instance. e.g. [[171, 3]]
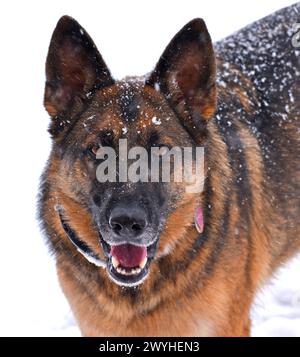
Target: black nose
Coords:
[[127, 222]]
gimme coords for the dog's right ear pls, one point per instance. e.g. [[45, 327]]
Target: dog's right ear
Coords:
[[74, 68]]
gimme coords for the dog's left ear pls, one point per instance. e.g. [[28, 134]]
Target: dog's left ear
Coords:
[[74, 68], [186, 75]]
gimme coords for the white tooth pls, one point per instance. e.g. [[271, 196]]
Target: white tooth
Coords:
[[115, 262], [121, 271], [143, 263], [133, 271]]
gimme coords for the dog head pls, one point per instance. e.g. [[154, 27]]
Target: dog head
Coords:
[[137, 216]]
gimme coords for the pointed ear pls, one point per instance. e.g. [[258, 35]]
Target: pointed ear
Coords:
[[74, 68], [186, 74]]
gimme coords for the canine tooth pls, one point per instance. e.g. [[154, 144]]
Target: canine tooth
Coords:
[[143, 263], [115, 262]]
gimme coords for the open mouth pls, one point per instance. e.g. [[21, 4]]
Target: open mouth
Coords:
[[128, 264]]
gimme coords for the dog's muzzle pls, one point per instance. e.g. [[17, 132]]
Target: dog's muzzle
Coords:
[[127, 264]]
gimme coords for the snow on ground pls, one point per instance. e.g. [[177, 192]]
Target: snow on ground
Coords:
[[276, 310], [131, 35]]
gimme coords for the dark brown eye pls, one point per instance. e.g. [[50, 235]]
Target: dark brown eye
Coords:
[[93, 149], [161, 150], [104, 139]]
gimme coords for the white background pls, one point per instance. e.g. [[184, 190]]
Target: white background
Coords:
[[131, 36]]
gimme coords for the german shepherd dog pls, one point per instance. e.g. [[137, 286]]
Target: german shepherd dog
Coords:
[[150, 258]]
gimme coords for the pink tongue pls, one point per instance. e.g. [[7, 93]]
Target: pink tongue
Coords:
[[128, 255]]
